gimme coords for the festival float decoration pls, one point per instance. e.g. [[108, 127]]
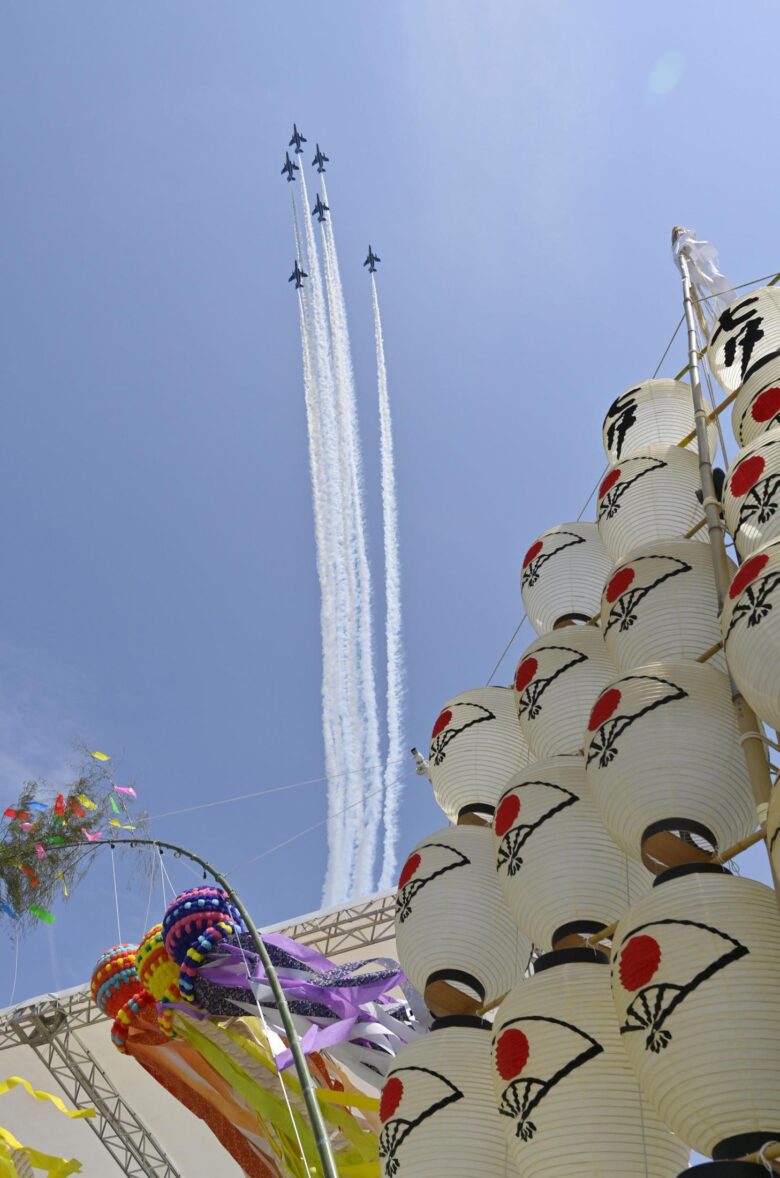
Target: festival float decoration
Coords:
[[694, 978], [649, 496], [563, 1084], [661, 603], [209, 1032], [476, 745], [556, 683], [562, 876], [457, 942], [652, 413], [642, 755], [663, 758], [562, 575], [751, 495], [437, 1109]]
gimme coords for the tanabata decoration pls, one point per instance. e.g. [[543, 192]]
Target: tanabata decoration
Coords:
[[125, 789], [33, 805], [121, 825], [13, 1154], [226, 1072], [100, 756], [114, 805], [8, 910], [42, 914], [59, 804]]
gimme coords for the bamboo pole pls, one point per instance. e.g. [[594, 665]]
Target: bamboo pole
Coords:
[[708, 654], [723, 857], [754, 751]]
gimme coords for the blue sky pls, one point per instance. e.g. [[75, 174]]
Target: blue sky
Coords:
[[518, 166]]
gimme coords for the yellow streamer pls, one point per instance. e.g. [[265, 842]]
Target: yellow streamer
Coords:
[[39, 1094], [86, 803], [52, 1166], [100, 756]]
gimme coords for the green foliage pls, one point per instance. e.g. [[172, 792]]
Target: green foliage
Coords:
[[29, 878]]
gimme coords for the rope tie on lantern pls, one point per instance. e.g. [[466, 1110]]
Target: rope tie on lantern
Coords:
[[763, 1157]]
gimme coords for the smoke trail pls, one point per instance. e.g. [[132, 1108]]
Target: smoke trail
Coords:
[[320, 428], [341, 468], [367, 826], [393, 640]]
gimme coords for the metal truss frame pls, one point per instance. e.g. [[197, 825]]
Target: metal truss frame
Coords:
[[49, 1025]]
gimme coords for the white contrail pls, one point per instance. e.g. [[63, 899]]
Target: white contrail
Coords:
[[327, 508], [393, 639], [367, 826], [350, 618]]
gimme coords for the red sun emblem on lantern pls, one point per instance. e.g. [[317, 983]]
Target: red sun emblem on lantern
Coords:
[[506, 814], [532, 553], [512, 1052], [618, 584], [746, 475], [747, 573], [766, 404], [408, 869], [609, 481], [525, 673], [392, 1094], [443, 720], [605, 706], [639, 962]]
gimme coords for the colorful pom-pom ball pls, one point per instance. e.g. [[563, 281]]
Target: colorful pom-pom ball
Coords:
[[115, 979], [159, 974], [192, 914]]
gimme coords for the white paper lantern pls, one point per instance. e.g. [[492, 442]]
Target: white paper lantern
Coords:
[[560, 872], [695, 981], [744, 348], [663, 754], [755, 412], [451, 923], [650, 496], [437, 1110], [653, 413], [556, 684], [476, 746], [751, 496], [562, 576], [750, 624], [661, 603], [564, 1085]]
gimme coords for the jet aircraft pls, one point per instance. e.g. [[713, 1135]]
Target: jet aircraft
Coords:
[[289, 167], [320, 210], [371, 260], [297, 139], [298, 275], [320, 159]]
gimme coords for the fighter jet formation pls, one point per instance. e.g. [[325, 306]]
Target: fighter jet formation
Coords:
[[320, 208], [372, 260], [297, 139], [289, 168], [298, 275]]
